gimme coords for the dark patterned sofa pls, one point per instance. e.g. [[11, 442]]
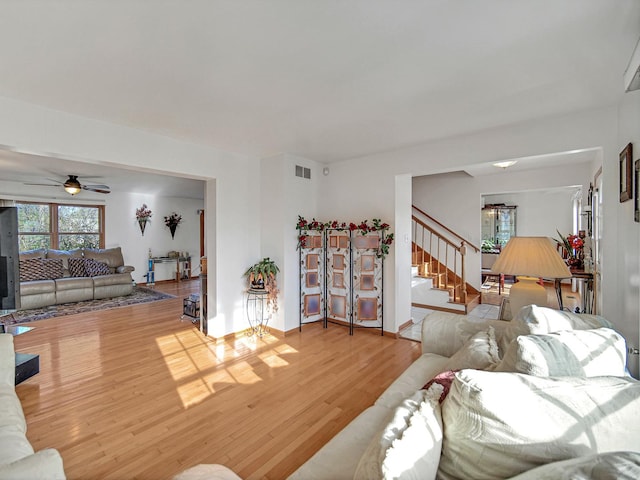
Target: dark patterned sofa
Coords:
[[51, 277]]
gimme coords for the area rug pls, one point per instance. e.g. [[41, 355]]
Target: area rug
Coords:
[[139, 295]]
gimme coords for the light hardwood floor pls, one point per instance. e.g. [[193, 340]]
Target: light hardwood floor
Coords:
[[135, 392]]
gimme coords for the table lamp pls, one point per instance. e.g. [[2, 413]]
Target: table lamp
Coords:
[[529, 258]]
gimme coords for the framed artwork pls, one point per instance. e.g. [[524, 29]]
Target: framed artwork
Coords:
[[339, 306], [312, 261], [363, 242], [333, 241], [343, 242], [338, 279], [367, 309], [626, 173], [338, 262], [312, 279], [367, 263], [636, 210], [367, 282], [312, 304]]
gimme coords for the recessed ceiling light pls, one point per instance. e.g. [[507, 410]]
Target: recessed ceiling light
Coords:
[[505, 164]]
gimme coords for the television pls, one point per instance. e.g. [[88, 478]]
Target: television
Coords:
[[9, 261]]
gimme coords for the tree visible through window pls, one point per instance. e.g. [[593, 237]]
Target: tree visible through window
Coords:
[[56, 226]]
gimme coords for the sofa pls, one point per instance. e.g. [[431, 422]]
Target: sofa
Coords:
[[17, 457], [545, 395], [52, 277]]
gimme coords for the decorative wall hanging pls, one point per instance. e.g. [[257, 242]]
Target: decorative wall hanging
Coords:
[[626, 173], [172, 222], [341, 272], [143, 215]]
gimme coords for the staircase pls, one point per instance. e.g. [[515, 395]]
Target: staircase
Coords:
[[438, 259]]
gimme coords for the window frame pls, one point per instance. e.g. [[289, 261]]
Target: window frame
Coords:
[[54, 230]]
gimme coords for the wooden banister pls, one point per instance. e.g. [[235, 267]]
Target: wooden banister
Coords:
[[447, 229]]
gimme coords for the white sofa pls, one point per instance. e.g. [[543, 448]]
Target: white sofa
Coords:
[[17, 457], [516, 399]]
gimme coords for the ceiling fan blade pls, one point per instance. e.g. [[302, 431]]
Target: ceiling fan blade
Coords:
[[104, 187], [42, 184], [91, 188]]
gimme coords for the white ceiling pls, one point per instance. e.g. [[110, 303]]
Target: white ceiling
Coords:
[[327, 80]]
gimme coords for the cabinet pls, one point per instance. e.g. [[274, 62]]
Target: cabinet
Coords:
[[498, 226]]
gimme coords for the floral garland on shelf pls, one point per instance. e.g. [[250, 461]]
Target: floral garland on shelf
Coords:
[[364, 227]]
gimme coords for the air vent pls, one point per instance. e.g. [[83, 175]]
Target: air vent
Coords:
[[303, 172]]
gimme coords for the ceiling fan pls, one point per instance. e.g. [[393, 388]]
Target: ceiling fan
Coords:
[[73, 186]]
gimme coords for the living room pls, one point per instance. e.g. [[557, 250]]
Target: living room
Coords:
[[252, 198]]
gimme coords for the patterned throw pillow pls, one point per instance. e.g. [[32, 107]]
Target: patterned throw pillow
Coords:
[[76, 267], [95, 268], [40, 269], [53, 268]]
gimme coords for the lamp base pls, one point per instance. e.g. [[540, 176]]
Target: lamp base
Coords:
[[526, 291]]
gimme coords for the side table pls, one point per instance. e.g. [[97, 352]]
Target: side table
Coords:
[[257, 314], [27, 364]]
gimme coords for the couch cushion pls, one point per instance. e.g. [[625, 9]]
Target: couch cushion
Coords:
[[408, 447], [497, 425], [338, 458], [95, 268], [45, 464], [423, 369], [480, 352], [207, 472], [11, 414], [601, 466], [64, 255], [13, 446], [581, 353], [40, 269], [38, 253], [111, 256], [37, 287]]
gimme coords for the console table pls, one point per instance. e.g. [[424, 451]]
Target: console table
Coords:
[[177, 260]]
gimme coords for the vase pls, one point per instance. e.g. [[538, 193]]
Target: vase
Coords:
[[574, 262], [172, 229], [143, 224]]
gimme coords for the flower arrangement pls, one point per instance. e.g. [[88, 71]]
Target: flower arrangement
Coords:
[[574, 246], [262, 275], [143, 215], [363, 227], [172, 222]]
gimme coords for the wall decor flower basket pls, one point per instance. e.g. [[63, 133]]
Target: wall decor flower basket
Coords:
[[143, 215], [172, 222]]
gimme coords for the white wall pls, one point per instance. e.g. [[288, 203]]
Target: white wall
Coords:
[[230, 214], [286, 196], [624, 237]]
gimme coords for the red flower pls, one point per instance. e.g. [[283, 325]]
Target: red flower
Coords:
[[353, 226]]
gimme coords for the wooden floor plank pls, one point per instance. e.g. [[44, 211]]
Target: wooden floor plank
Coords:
[[136, 392]]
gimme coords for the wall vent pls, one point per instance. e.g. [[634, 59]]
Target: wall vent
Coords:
[[303, 172]]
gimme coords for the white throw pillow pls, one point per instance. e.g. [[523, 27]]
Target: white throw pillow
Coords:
[[409, 446], [498, 425], [532, 319], [480, 352], [603, 466], [581, 353]]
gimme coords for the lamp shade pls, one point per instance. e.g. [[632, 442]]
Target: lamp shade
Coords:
[[531, 256]]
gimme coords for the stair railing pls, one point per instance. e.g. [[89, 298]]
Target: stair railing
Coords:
[[441, 251]]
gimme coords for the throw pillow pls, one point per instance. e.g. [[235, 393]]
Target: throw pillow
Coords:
[[77, 267], [602, 466], [444, 379], [498, 425], [52, 268], [96, 268], [410, 445], [581, 353], [32, 269]]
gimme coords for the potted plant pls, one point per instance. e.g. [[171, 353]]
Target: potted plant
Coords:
[[262, 275]]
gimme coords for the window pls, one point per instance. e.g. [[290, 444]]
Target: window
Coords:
[[61, 227]]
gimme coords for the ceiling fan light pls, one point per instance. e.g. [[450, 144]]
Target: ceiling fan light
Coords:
[[72, 186]]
